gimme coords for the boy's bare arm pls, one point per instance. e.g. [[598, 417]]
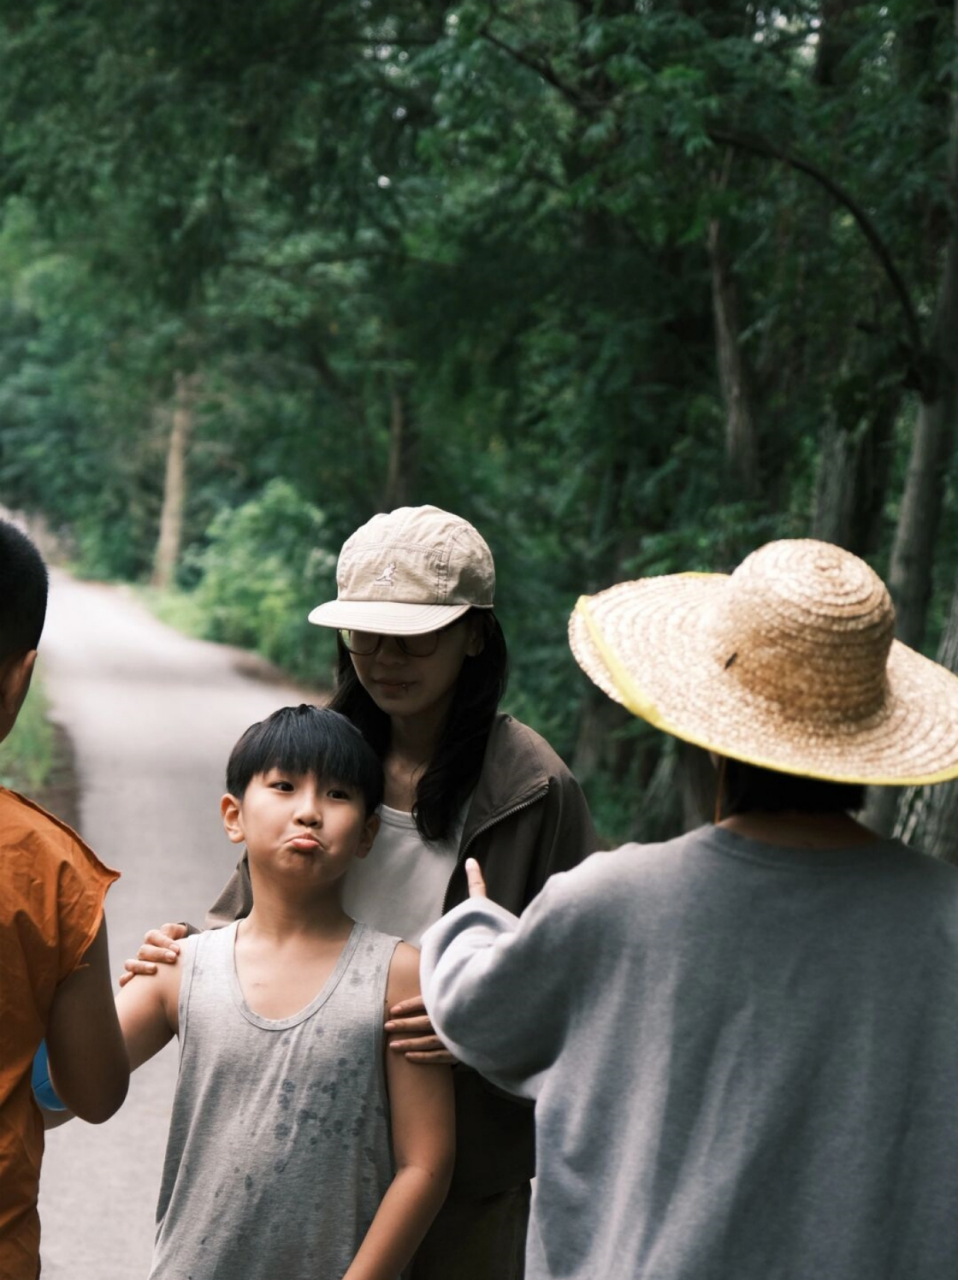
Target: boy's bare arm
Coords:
[[423, 1133], [88, 1062], [410, 1028], [148, 1012]]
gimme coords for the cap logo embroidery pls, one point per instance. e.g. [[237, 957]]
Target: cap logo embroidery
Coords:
[[387, 575]]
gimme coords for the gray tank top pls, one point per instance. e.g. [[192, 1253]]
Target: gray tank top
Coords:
[[279, 1148]]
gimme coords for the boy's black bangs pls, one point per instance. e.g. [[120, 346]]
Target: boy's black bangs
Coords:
[[307, 740]]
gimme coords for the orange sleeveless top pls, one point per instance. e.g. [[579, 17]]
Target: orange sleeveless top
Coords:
[[52, 888]]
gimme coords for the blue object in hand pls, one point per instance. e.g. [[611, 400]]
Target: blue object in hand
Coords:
[[43, 1090]]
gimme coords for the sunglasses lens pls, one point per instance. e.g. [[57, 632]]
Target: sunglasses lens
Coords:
[[367, 642], [421, 646], [362, 642]]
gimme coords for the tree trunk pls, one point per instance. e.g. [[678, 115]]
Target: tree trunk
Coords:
[[599, 745], [912, 561], [174, 488], [853, 473], [910, 572], [836, 37], [741, 436], [912, 554], [912, 558], [403, 452], [928, 816]]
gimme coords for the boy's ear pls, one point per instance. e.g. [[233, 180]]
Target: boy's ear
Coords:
[[232, 812], [15, 676], [370, 828]]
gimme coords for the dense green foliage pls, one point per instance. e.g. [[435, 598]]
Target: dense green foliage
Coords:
[[633, 286], [261, 571]]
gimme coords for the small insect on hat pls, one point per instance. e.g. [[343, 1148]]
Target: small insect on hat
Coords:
[[409, 571], [789, 663]]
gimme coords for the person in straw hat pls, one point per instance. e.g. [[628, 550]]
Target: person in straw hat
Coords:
[[741, 1042]]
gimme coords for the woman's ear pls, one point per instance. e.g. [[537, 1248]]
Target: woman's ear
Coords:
[[232, 812]]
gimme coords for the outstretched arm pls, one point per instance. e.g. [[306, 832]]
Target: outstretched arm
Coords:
[[88, 1063], [497, 988], [423, 1134]]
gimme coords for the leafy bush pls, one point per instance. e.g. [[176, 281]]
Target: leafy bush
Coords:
[[265, 566]]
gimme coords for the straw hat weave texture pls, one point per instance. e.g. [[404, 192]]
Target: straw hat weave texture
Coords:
[[789, 663]]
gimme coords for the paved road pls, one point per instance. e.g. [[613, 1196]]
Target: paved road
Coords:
[[152, 716]]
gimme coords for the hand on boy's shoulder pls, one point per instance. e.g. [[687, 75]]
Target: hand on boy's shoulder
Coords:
[[163, 980], [408, 1026], [159, 946]]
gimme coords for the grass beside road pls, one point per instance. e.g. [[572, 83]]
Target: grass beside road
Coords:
[[27, 756], [178, 609]]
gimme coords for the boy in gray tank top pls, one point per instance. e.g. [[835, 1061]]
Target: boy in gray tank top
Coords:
[[297, 1147]]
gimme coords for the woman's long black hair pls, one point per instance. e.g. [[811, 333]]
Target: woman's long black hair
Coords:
[[454, 769]]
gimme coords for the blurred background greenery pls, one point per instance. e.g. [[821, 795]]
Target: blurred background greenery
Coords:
[[633, 286], [27, 762]]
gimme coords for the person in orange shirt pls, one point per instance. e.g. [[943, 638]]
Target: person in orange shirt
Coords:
[[54, 968]]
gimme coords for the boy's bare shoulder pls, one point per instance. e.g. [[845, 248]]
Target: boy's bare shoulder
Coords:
[[404, 972], [159, 988]]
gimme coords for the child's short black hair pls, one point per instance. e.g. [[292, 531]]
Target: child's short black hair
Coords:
[[23, 592], [302, 740]]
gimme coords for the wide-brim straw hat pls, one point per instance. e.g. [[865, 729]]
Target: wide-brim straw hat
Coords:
[[788, 663]]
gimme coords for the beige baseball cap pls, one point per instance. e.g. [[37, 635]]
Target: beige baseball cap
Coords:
[[409, 571]]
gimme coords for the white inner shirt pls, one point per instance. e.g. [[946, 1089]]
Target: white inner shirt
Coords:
[[400, 885]]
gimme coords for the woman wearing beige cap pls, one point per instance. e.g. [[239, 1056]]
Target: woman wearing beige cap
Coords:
[[742, 1042], [422, 668]]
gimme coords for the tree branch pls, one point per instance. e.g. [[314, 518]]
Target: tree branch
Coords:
[[758, 146], [762, 147], [542, 68], [293, 271]]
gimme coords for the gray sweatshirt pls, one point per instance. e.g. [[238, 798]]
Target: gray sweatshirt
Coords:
[[744, 1058]]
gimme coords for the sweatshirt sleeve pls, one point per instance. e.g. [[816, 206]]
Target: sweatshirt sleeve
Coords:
[[497, 989]]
